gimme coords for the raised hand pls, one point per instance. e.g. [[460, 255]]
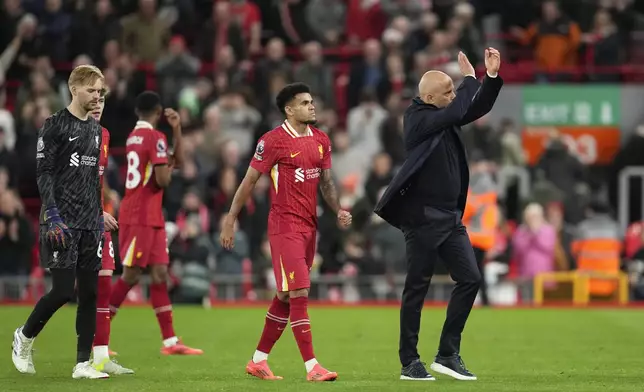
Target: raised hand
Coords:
[[492, 61], [465, 66]]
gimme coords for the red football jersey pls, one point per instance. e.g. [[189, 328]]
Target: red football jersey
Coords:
[[102, 159], [142, 204], [294, 163]]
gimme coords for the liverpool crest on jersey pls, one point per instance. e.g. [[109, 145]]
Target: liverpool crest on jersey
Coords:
[[321, 150]]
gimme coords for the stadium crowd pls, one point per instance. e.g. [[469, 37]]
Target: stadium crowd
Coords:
[[220, 63]]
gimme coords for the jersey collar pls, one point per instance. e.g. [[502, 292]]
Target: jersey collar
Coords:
[[293, 133], [143, 124]]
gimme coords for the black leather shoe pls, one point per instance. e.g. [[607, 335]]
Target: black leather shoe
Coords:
[[452, 366], [416, 371]]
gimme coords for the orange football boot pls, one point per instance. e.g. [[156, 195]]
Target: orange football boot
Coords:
[[180, 349], [261, 370], [321, 374]]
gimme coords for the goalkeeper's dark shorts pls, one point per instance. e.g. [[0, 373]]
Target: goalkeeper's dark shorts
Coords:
[[84, 250]]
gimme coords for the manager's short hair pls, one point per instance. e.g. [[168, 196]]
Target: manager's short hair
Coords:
[[288, 93]]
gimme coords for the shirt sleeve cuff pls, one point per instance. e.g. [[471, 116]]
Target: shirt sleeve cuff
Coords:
[[492, 75]]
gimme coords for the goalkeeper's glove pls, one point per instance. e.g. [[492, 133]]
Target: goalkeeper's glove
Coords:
[[57, 230], [101, 223]]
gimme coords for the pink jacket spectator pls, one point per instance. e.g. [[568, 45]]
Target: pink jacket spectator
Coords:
[[534, 252]]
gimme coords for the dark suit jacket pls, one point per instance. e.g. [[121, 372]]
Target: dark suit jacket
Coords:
[[424, 126]]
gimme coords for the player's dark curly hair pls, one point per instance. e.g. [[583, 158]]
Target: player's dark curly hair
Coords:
[[288, 93], [147, 103]]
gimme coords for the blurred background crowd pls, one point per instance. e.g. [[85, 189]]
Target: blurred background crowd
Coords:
[[221, 63]]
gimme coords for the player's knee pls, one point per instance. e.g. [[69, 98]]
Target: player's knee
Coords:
[[131, 276], [159, 274], [283, 296], [62, 293], [298, 293]]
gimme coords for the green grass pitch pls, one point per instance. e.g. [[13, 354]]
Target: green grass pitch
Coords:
[[514, 350]]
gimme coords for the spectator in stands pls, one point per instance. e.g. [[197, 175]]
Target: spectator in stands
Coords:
[[55, 26], [246, 14], [31, 46], [144, 33], [598, 246], [565, 235], [316, 73], [16, 236], [256, 223], [38, 88], [421, 36], [566, 172], [8, 161], [186, 178], [327, 20], [192, 255], [380, 176], [391, 135], [442, 51], [364, 122], [234, 70], [481, 136], [176, 69], [604, 45], [556, 38], [359, 11], [275, 63], [412, 9], [470, 39], [12, 13], [387, 243], [347, 159], [92, 28], [219, 31], [229, 262], [223, 196], [367, 73], [238, 120], [533, 243]]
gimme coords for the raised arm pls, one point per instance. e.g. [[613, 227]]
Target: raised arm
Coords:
[[489, 91]]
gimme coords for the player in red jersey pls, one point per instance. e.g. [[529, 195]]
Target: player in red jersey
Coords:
[[142, 236], [102, 336], [297, 157]]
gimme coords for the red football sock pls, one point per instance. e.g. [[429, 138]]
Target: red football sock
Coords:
[[119, 292], [276, 320], [302, 327], [163, 308], [102, 334]]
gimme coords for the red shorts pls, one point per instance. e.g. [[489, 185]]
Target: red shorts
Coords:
[[292, 255], [143, 245], [107, 258]]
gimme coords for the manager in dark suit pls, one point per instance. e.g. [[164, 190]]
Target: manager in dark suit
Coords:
[[426, 201]]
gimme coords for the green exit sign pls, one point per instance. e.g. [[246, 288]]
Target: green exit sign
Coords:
[[571, 105]]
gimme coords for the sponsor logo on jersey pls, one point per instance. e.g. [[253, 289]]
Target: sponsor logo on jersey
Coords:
[[75, 160], [306, 174]]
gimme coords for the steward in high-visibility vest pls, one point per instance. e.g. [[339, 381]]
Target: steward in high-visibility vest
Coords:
[[481, 216], [598, 246]]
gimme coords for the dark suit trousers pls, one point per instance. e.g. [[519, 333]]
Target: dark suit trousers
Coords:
[[445, 237]]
